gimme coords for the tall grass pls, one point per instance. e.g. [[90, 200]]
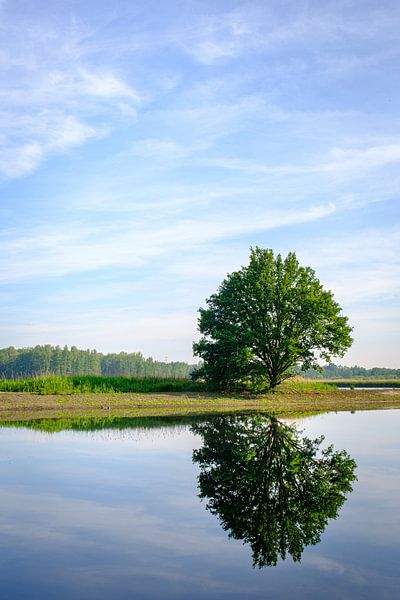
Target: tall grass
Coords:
[[80, 384], [299, 385]]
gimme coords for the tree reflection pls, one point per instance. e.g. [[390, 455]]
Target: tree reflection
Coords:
[[269, 486]]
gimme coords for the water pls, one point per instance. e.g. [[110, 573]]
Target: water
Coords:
[[369, 387], [116, 514]]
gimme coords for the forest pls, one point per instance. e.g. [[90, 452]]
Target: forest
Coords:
[[333, 371], [54, 360], [44, 360]]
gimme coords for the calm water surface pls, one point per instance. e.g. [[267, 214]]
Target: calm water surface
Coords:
[[115, 514]]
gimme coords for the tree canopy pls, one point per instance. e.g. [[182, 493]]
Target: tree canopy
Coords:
[[264, 320], [53, 360], [270, 487]]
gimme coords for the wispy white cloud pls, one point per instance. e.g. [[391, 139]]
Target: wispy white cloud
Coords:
[[323, 563], [104, 85], [163, 149], [50, 132], [53, 101], [20, 160], [337, 160], [360, 266], [170, 332], [359, 159], [359, 247], [66, 87], [174, 199], [211, 130], [256, 27], [130, 244], [208, 121]]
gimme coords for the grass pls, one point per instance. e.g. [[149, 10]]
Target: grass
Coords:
[[300, 385], [82, 397], [83, 384], [288, 400]]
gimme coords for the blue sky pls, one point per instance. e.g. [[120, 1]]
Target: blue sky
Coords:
[[145, 146]]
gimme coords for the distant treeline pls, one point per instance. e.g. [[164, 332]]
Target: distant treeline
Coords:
[[338, 372], [18, 363]]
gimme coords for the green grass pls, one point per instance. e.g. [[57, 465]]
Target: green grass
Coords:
[[82, 384], [84, 411], [298, 385], [292, 398], [97, 384]]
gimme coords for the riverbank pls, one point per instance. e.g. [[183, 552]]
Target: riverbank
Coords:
[[19, 406]]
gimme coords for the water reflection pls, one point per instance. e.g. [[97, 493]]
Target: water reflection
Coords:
[[269, 486], [101, 423]]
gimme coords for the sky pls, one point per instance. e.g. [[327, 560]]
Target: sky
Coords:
[[146, 146]]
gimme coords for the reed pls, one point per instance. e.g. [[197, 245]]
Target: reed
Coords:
[[81, 384]]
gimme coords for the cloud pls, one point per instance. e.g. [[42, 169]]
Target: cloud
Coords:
[[208, 128], [338, 160], [67, 87], [360, 159], [162, 149], [324, 564], [20, 160], [117, 537], [50, 132], [216, 37], [77, 249], [104, 85], [258, 27], [54, 99], [361, 247], [361, 267], [157, 334]]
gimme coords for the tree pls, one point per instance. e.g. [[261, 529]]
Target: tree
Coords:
[[46, 360], [270, 487], [266, 319]]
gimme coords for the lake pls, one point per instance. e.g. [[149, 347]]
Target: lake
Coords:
[[115, 512]]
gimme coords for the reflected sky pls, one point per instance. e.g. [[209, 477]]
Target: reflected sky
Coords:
[[116, 514]]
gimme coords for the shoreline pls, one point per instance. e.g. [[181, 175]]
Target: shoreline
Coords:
[[20, 406]]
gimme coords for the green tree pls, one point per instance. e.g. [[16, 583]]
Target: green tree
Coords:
[[266, 319], [270, 487], [46, 360]]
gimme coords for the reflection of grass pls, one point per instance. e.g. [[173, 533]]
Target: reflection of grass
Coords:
[[98, 423], [286, 401]]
